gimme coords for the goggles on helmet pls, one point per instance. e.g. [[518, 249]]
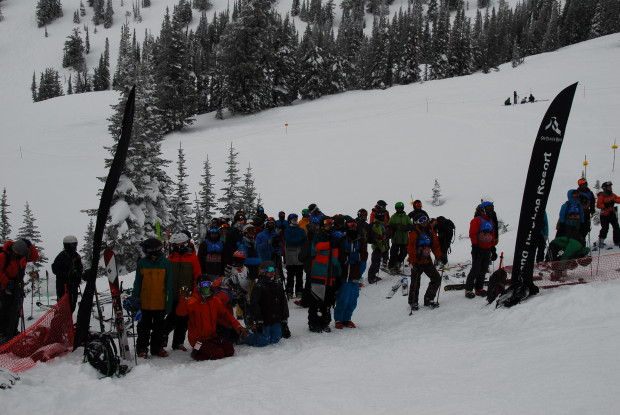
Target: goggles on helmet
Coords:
[[422, 220], [204, 288], [328, 222]]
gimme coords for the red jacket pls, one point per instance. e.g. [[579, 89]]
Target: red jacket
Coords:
[[606, 203], [204, 315], [10, 266], [478, 236]]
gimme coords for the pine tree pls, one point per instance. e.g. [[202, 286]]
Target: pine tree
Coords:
[[87, 246], [180, 203], [33, 87], [49, 85], [202, 5], [312, 71], [76, 17], [82, 9], [87, 42], [208, 203], [30, 231], [69, 86], [286, 70], [247, 195], [436, 200], [5, 226], [47, 11], [197, 227], [107, 15], [124, 77], [146, 3], [295, 8], [230, 199], [73, 53], [98, 12]]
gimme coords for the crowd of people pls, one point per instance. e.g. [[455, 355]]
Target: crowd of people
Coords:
[[250, 268]]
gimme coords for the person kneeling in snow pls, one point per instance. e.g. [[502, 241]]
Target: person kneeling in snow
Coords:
[[268, 309], [205, 311]]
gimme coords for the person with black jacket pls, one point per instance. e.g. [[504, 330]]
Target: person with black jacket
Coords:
[[68, 270]]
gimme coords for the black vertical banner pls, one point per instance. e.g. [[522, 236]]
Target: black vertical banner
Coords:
[[83, 317], [545, 155]]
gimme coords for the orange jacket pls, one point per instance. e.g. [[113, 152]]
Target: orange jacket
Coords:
[[11, 266], [606, 203], [303, 223], [204, 315], [416, 252]]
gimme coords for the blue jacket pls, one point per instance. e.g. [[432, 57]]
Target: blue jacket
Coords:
[[267, 249], [251, 253], [571, 213], [294, 236]]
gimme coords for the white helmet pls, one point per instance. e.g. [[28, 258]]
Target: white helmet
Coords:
[[69, 239], [178, 238]]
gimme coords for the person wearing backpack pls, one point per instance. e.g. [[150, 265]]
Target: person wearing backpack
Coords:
[[294, 237], [379, 244], [13, 259], [350, 256], [445, 232], [571, 217], [204, 312], [68, 270], [483, 237], [421, 243], [609, 214], [153, 286], [399, 225], [588, 202]]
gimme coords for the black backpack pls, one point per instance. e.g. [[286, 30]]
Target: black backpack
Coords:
[[445, 231], [102, 354]]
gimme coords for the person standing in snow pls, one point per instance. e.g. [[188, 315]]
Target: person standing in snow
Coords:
[[379, 245], [204, 312], [305, 256], [606, 201], [571, 217], [294, 237], [233, 237], [210, 253], [381, 206], [350, 256], [398, 225], [153, 286], [68, 270], [305, 219], [269, 309], [483, 237], [363, 227], [588, 203], [422, 242], [185, 269], [13, 259]]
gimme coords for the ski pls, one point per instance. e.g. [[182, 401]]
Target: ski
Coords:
[[404, 283], [393, 290], [456, 287], [8, 378], [117, 306], [459, 266], [457, 275], [44, 306], [405, 286]]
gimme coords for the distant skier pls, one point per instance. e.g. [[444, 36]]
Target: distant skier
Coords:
[[399, 226], [609, 215], [68, 270], [483, 236], [588, 203], [531, 98]]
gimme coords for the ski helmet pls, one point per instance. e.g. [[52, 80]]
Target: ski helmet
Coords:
[[268, 270], [248, 230], [606, 184], [20, 247], [204, 285], [362, 213], [178, 238], [70, 242], [417, 204], [582, 181], [240, 254], [305, 213], [381, 203], [151, 246], [338, 221], [281, 214], [292, 216], [399, 205]]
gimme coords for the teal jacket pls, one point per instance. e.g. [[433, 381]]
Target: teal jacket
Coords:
[[153, 284]]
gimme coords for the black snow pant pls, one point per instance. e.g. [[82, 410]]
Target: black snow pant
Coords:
[[294, 279], [479, 266], [613, 221], [150, 331], [433, 286], [176, 323], [73, 291], [375, 265], [319, 309], [398, 253], [7, 305]]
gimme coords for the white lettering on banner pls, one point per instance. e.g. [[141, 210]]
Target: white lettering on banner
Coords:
[[538, 202]]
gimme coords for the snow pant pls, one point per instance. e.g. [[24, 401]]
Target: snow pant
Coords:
[[612, 220], [479, 267], [375, 265], [346, 301], [398, 253], [541, 244], [178, 324], [385, 256], [213, 349], [319, 313], [294, 279], [270, 335], [150, 331], [72, 289], [586, 226], [7, 304], [416, 276]]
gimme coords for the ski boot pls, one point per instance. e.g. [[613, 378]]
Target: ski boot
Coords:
[[339, 325], [431, 304], [470, 294], [349, 324], [481, 292]]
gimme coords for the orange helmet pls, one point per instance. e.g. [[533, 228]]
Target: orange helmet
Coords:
[[582, 181]]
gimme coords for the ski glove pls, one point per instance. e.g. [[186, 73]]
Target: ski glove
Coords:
[[286, 332], [443, 260]]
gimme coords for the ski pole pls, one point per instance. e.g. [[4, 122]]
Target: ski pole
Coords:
[[47, 286], [440, 282], [31, 300], [99, 311]]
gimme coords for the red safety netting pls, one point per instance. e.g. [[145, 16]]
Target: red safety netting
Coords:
[[576, 271], [49, 337]]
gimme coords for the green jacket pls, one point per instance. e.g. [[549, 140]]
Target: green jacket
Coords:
[[378, 236], [400, 224]]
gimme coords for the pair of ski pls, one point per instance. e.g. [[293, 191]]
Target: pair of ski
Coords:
[[8, 378], [402, 283]]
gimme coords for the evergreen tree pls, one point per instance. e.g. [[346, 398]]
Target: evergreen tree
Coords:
[[76, 17], [286, 70], [49, 85], [87, 246], [439, 65], [436, 199], [197, 227], [379, 72], [230, 202], [295, 8], [87, 42], [33, 87], [31, 232], [312, 71], [247, 58], [82, 9], [98, 12], [107, 15], [208, 203], [202, 5], [124, 77], [73, 53], [184, 11], [47, 11], [248, 192], [147, 3], [141, 198], [69, 86], [348, 44], [5, 226], [180, 203], [175, 89]]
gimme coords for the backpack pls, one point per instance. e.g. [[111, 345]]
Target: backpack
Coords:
[[446, 231], [102, 354]]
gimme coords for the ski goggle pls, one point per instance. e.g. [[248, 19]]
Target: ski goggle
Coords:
[[204, 287], [270, 269], [419, 204], [422, 220], [352, 225], [213, 231]]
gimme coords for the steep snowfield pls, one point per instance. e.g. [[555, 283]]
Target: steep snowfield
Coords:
[[555, 354]]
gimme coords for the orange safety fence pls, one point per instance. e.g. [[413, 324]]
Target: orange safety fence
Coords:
[[576, 271], [51, 336]]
